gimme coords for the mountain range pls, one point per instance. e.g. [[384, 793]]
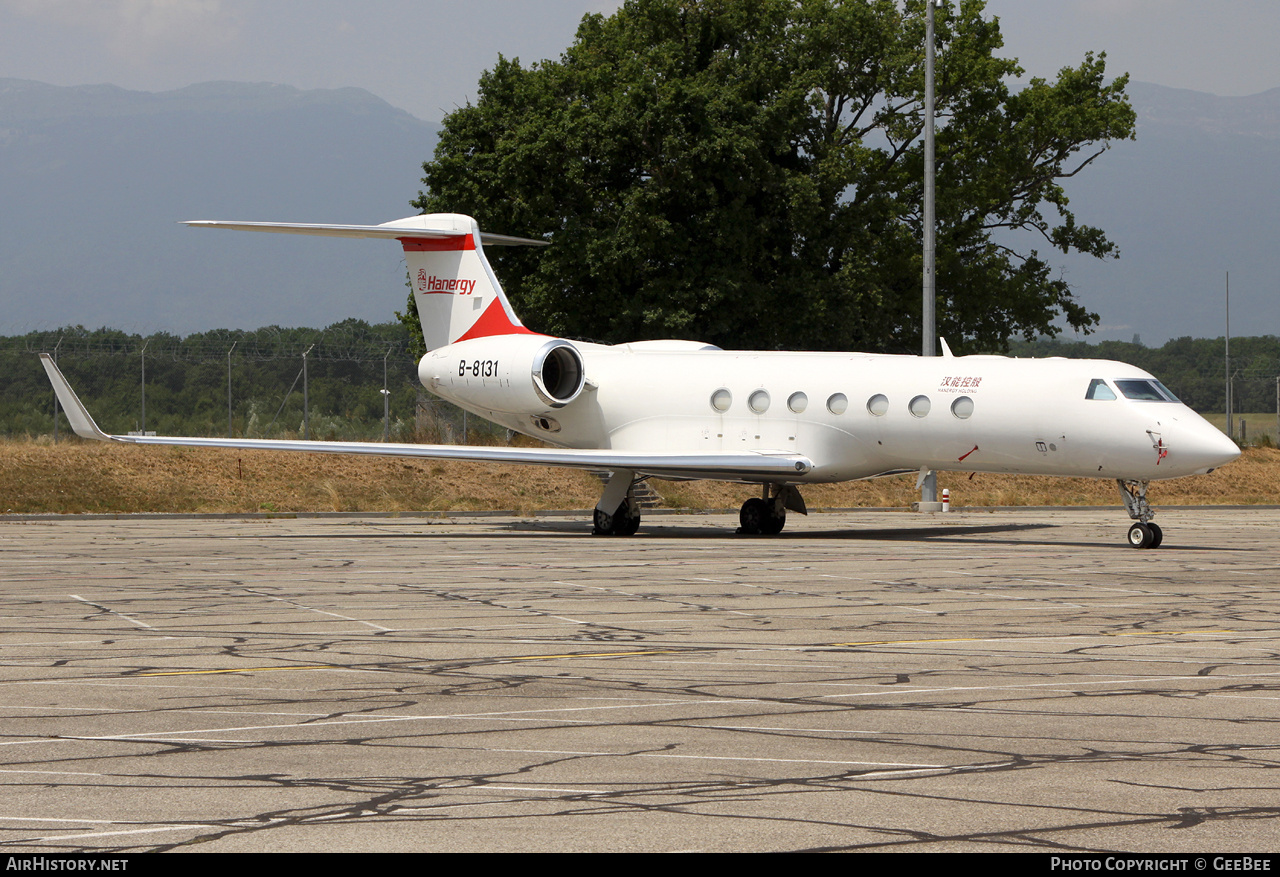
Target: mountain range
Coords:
[[94, 181]]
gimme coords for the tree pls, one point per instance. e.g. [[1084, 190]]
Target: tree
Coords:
[[748, 173]]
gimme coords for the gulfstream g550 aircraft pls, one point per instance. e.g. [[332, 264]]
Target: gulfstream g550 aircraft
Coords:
[[680, 409]]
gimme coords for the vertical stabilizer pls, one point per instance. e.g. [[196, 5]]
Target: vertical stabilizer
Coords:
[[457, 294]]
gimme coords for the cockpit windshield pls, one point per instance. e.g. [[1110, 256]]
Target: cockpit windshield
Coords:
[[1145, 391]]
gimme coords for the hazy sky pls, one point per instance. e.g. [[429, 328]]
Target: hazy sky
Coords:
[[426, 55]]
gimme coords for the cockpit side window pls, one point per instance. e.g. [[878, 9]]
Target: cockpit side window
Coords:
[[1143, 391], [1098, 389]]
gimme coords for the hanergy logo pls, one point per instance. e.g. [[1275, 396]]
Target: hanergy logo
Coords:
[[432, 284]]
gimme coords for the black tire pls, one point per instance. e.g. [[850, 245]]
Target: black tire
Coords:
[[773, 524], [1140, 536], [754, 514], [627, 525], [1157, 535], [603, 524]]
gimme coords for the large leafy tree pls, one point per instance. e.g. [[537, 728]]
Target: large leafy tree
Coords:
[[748, 173]]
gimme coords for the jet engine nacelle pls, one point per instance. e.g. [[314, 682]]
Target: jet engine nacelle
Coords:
[[516, 374]]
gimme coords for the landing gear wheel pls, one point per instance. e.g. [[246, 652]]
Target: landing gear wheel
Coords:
[[753, 517], [1157, 535], [1141, 536], [758, 518], [624, 522], [626, 525]]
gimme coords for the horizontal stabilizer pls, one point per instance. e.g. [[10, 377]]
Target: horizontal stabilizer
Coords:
[[398, 230]]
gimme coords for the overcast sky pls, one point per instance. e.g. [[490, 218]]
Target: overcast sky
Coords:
[[425, 56]]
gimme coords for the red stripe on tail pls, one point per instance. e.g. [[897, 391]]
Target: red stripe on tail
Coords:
[[438, 245], [494, 321]]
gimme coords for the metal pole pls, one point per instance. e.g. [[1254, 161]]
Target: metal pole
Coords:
[[1230, 430], [386, 401], [306, 404], [233, 347], [929, 487], [928, 330], [55, 394], [143, 430]]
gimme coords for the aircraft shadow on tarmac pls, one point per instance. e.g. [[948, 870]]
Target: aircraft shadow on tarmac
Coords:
[[950, 534], [573, 527]]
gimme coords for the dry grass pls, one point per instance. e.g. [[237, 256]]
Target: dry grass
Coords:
[[76, 476]]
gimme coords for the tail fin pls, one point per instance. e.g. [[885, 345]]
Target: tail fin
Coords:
[[457, 294]]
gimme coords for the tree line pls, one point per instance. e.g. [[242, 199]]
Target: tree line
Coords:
[[750, 174], [187, 390], [1194, 368]]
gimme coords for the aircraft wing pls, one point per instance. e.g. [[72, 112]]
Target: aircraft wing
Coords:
[[751, 466]]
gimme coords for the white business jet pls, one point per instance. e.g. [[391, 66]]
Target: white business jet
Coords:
[[685, 410]]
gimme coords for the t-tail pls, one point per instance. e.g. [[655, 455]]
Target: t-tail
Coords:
[[454, 287]]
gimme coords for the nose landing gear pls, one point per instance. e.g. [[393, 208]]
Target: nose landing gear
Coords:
[[1143, 534]]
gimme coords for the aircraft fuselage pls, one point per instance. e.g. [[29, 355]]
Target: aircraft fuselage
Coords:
[[853, 415]]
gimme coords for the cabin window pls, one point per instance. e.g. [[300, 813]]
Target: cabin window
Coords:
[[878, 404], [919, 406], [721, 400], [962, 407], [798, 402], [1143, 391], [759, 401], [1098, 389], [838, 403]]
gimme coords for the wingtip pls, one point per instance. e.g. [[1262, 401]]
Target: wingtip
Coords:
[[78, 416]]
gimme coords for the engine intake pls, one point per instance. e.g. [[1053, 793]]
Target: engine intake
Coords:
[[558, 376], [517, 374]]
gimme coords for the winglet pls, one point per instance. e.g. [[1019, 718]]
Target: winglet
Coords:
[[946, 351], [81, 422]]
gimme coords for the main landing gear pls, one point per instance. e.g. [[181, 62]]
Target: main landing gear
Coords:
[[617, 513], [766, 515], [1143, 534], [625, 520]]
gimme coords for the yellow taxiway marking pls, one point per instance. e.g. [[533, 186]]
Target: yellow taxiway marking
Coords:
[[646, 654], [981, 639], [604, 655], [240, 670]]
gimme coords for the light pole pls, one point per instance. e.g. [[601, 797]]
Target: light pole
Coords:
[[929, 483]]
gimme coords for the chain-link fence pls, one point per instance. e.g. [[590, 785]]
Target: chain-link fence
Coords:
[[349, 382]]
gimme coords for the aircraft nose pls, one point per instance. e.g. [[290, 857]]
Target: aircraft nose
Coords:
[[1205, 447]]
